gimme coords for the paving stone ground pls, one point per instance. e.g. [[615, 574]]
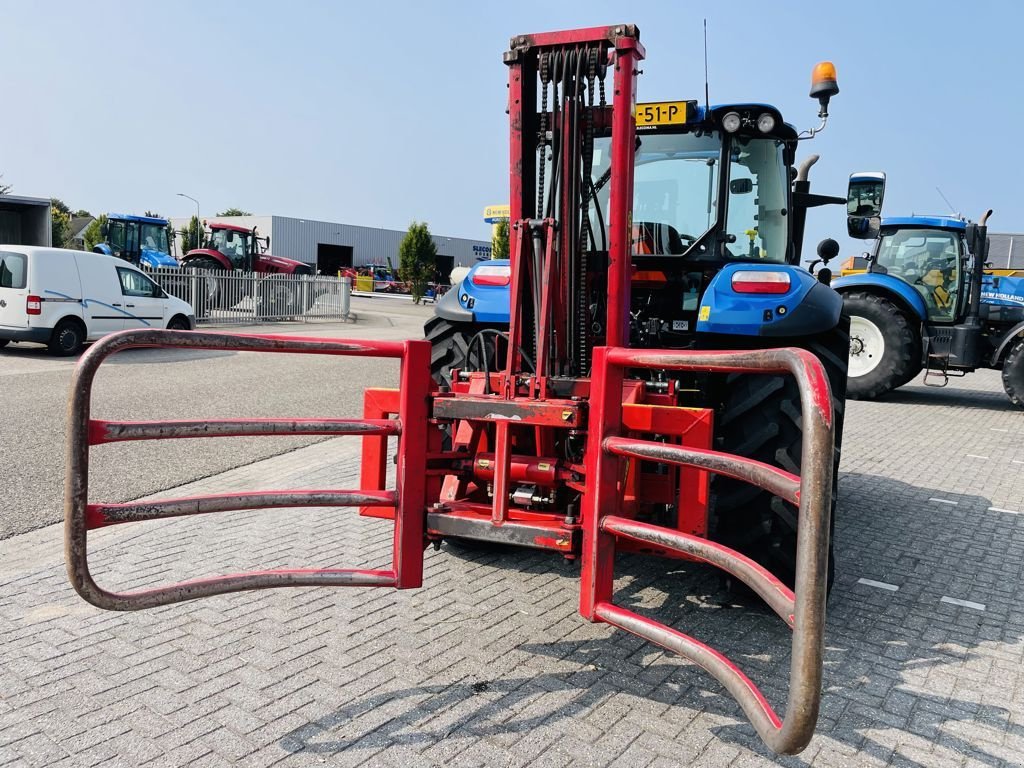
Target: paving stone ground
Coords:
[[490, 664]]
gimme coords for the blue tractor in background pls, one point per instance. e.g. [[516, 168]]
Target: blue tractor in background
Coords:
[[145, 241], [928, 300], [718, 217]]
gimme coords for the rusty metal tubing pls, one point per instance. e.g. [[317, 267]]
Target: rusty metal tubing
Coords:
[[777, 595], [777, 481], [759, 712], [233, 582], [794, 732], [103, 515], [102, 432], [76, 488]]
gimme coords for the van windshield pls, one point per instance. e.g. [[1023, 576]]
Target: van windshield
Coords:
[[12, 270]]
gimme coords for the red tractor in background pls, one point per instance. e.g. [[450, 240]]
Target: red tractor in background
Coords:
[[232, 248], [669, 382]]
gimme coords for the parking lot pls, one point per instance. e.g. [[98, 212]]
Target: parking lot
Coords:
[[490, 664]]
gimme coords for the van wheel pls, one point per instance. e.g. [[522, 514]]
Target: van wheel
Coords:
[[67, 339], [178, 323]]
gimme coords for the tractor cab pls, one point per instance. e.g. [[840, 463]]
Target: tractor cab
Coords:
[[926, 252], [140, 240], [240, 246]]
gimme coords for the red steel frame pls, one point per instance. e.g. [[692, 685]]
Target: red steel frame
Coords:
[[408, 500], [803, 609]]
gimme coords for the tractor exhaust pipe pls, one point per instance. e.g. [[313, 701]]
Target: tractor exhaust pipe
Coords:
[[979, 247]]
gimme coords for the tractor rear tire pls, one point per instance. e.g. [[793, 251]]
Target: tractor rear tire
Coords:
[[210, 294], [450, 348], [885, 349], [761, 419], [1013, 374]]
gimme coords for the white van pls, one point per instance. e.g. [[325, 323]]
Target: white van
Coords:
[[64, 298]]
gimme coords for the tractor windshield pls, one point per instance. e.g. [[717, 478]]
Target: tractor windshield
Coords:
[[926, 259], [154, 238], [234, 245], [677, 185]]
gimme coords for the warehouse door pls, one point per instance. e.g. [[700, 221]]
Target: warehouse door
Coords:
[[331, 259]]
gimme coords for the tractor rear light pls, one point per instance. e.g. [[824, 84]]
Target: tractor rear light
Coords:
[[756, 281], [492, 275], [33, 305]]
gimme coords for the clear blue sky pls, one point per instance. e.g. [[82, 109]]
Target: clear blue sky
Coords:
[[379, 113]]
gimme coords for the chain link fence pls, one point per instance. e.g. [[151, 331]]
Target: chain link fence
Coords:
[[223, 298]]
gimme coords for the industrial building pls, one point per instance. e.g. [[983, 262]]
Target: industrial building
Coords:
[[330, 246]]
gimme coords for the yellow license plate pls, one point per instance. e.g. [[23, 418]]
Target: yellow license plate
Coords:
[[663, 113]]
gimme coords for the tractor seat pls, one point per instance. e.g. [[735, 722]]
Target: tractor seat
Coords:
[[650, 238]]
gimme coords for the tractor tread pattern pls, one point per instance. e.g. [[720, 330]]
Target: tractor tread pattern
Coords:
[[1013, 374], [901, 361], [762, 420]]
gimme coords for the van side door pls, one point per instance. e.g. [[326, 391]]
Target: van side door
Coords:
[[102, 304], [144, 301]]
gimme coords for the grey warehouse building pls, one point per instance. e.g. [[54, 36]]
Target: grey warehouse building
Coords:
[[330, 246]]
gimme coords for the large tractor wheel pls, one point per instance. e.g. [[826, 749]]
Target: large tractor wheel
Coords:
[[210, 295], [760, 418], [1013, 374], [885, 350], [450, 348], [278, 299]]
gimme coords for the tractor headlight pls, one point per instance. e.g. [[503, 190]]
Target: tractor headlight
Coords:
[[765, 123], [731, 122]]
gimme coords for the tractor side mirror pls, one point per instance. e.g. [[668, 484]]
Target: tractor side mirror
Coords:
[[741, 186], [105, 229], [864, 205]]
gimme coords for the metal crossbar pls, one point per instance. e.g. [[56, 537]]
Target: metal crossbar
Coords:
[[407, 501], [803, 608]]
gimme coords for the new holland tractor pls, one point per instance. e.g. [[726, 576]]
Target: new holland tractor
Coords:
[[142, 240], [667, 381], [927, 299], [230, 248]]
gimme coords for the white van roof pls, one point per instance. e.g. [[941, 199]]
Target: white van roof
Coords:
[[39, 251]]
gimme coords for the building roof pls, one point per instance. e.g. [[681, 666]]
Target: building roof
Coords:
[[78, 226], [1006, 250]]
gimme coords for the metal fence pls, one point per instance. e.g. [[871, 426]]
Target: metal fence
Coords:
[[221, 298]]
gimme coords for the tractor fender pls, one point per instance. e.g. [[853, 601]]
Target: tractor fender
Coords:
[[1006, 341], [482, 296], [209, 253], [887, 286], [103, 248], [806, 308], [450, 308]]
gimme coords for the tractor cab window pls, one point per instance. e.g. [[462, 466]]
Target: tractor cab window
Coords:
[[756, 225], [675, 190], [234, 245], [927, 259], [154, 238], [116, 236]]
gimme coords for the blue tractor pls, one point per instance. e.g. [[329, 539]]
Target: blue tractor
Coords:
[[145, 241], [718, 213], [928, 300]]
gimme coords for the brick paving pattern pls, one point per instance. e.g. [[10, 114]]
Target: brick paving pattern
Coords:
[[490, 664]]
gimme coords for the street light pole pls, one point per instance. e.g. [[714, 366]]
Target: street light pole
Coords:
[[199, 223]]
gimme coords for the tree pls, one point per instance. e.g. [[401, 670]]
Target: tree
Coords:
[[94, 232], [4, 188], [81, 213], [60, 224], [499, 241], [190, 235], [417, 259], [234, 212], [153, 215]]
